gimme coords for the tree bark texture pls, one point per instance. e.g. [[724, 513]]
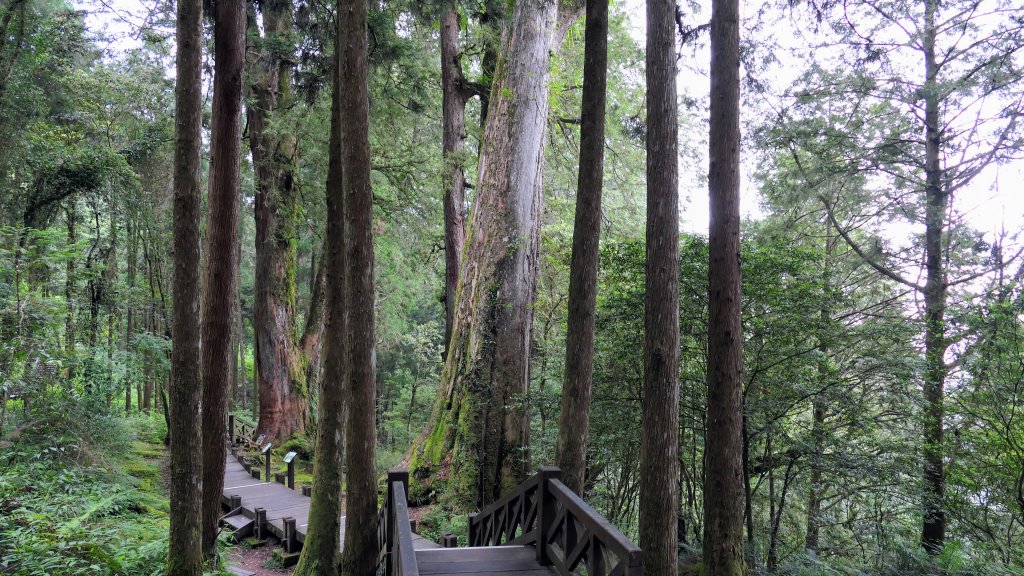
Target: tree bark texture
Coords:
[[659, 437], [723, 488], [283, 394], [221, 274], [184, 552], [454, 178], [933, 529], [574, 421], [478, 428], [359, 556], [321, 552]]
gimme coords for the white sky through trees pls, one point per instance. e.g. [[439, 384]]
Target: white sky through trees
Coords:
[[992, 203]]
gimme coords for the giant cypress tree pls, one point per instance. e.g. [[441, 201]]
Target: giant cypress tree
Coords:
[[184, 552], [221, 275], [723, 485], [282, 353], [478, 419]]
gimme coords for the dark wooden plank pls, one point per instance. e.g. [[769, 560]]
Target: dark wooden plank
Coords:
[[493, 561]]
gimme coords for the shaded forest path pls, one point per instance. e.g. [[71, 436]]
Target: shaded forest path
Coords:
[[539, 528]]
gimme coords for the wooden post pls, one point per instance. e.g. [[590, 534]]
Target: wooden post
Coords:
[[236, 501], [449, 540], [261, 523], [472, 536], [546, 511], [291, 474], [393, 476], [290, 537], [307, 490], [231, 430], [255, 474], [412, 526], [279, 477]]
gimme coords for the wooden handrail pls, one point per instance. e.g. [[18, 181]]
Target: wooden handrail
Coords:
[[239, 429], [600, 546], [397, 557], [569, 535]]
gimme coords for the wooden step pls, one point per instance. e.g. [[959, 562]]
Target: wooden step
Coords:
[[239, 525], [491, 560], [240, 571]]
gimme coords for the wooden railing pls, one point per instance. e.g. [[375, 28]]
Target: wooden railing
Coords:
[[568, 534], [240, 431], [394, 533]]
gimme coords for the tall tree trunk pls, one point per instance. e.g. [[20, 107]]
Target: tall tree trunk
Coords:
[[454, 179], [360, 554], [933, 530], [220, 279], [129, 324], [284, 402], [574, 421], [659, 437], [478, 418], [184, 551], [321, 552], [723, 494]]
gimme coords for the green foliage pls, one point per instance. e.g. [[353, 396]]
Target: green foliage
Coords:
[[63, 518]]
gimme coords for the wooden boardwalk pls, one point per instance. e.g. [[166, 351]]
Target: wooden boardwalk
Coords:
[[539, 528], [279, 501]]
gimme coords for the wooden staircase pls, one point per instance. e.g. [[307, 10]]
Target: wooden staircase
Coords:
[[539, 528]]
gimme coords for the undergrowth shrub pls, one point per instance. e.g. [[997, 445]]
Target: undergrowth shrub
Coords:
[[84, 497]]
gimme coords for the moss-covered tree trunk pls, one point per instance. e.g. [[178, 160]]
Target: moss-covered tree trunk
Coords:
[[280, 361], [478, 436]]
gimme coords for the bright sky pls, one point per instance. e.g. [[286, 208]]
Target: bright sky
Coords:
[[994, 202]]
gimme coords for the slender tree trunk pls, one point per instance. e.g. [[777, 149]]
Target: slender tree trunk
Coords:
[[321, 552], [283, 397], [818, 405], [69, 294], [360, 554], [659, 437], [109, 283], [574, 422], [933, 531], [723, 489], [454, 120], [220, 289], [184, 551], [479, 412], [129, 324]]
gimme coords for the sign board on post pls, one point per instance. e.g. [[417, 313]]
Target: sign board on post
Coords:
[[266, 448], [289, 457], [261, 438]]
